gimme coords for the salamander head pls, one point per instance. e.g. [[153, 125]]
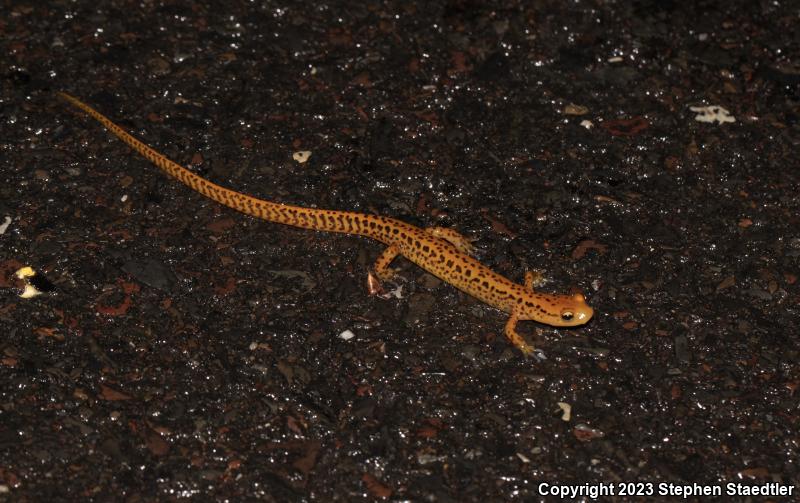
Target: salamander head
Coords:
[[559, 310]]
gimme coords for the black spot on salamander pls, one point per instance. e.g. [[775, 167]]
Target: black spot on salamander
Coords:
[[449, 263], [468, 272], [458, 268], [426, 248]]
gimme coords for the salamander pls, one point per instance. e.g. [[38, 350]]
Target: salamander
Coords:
[[441, 251]]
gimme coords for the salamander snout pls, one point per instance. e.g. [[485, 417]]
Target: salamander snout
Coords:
[[574, 310]]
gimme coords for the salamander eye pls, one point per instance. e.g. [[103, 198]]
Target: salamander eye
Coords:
[[566, 315]]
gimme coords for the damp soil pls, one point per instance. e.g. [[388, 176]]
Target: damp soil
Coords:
[[183, 351]]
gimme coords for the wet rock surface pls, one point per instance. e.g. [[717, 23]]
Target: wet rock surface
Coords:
[[187, 351]]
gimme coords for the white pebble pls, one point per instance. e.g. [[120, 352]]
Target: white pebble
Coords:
[[712, 113], [346, 335], [301, 156]]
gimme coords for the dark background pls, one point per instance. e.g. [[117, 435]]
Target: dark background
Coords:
[[187, 351]]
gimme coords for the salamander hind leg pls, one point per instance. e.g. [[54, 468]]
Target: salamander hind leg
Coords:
[[382, 269], [514, 337], [462, 243], [533, 279]]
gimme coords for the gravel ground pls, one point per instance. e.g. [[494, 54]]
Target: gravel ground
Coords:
[[644, 153]]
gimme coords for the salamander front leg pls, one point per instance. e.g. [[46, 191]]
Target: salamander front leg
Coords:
[[462, 243], [533, 279], [382, 269], [514, 337]]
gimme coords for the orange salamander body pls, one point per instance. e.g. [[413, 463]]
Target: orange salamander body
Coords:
[[440, 251]]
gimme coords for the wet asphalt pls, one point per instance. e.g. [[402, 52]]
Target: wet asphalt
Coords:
[[643, 153]]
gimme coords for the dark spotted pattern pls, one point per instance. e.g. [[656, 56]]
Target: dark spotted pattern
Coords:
[[434, 254]]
